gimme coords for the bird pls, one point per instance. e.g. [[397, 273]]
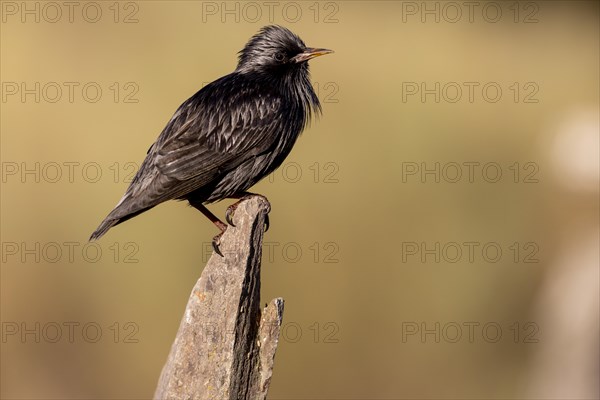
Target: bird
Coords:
[[230, 134]]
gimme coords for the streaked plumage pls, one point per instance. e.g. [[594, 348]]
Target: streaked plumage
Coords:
[[231, 133]]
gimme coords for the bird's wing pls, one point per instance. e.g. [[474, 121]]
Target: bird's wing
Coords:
[[218, 128], [223, 124]]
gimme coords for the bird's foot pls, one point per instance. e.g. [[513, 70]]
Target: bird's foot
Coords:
[[216, 242], [229, 213]]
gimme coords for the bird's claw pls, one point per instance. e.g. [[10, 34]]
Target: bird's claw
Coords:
[[231, 210], [216, 242], [229, 214]]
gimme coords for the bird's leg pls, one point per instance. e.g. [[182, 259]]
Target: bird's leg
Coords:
[[231, 209], [218, 223]]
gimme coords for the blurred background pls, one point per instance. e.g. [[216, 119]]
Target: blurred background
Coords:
[[434, 234]]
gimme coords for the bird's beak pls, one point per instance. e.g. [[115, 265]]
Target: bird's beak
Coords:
[[309, 53]]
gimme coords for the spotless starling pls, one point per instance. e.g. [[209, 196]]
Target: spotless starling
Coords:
[[230, 134]]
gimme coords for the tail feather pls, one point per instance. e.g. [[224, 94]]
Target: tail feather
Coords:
[[110, 221], [103, 228]]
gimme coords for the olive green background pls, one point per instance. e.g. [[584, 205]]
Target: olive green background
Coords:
[[343, 214]]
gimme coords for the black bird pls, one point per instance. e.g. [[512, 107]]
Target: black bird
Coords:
[[230, 134]]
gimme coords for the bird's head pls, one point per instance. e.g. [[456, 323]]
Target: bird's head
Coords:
[[276, 50]]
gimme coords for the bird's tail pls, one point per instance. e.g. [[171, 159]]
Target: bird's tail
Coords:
[[111, 221], [103, 228]]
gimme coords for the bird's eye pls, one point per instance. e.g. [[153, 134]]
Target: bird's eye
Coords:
[[279, 56]]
